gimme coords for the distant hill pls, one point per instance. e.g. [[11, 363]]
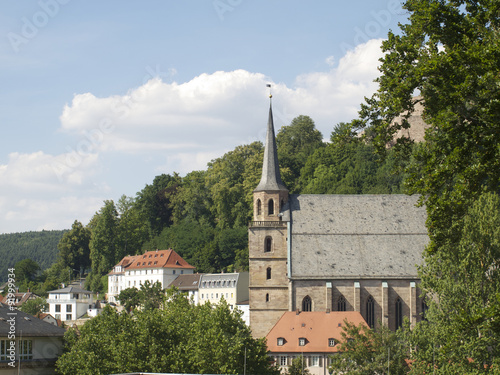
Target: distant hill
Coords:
[[38, 246]]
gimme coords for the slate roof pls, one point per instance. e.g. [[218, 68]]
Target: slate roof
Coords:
[[187, 281], [356, 236], [70, 289], [317, 327], [271, 177], [27, 325]]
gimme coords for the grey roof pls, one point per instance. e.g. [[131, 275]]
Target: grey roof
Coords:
[[186, 281], [26, 325], [271, 177], [71, 289], [356, 236]]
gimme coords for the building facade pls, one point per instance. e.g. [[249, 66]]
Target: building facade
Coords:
[[157, 265], [69, 303], [332, 252], [232, 287]]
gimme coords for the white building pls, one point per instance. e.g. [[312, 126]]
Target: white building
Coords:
[[157, 265], [69, 303], [233, 287], [189, 284]]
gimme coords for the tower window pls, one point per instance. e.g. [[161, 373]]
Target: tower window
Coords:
[[268, 273], [270, 207], [370, 312], [268, 244], [307, 304], [424, 309], [267, 297], [341, 304], [259, 207], [399, 313]]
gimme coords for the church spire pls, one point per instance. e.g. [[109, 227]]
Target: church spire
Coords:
[[271, 178]]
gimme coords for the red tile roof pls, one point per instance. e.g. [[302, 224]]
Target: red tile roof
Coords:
[[315, 327], [154, 259]]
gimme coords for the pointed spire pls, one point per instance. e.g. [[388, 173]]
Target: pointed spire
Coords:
[[271, 178]]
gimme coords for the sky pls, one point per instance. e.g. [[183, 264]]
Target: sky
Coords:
[[99, 97]]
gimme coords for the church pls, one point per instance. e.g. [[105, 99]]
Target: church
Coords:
[[327, 253]]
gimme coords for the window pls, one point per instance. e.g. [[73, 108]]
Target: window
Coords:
[[270, 207], [173, 272], [69, 308], [399, 313], [424, 309], [68, 317], [58, 308], [307, 304], [341, 304], [302, 341], [314, 361], [283, 360], [201, 295], [331, 342], [259, 207], [267, 297], [281, 341], [370, 312], [268, 273], [25, 349], [268, 244], [4, 345]]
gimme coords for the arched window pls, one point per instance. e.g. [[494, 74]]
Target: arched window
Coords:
[[268, 273], [341, 304], [424, 309], [268, 244], [270, 207], [399, 313], [307, 304], [259, 207], [370, 312]]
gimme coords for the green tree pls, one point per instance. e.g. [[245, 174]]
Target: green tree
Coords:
[[295, 143], [103, 245], [182, 338], [298, 367], [74, 250], [132, 231], [129, 299], [26, 271], [363, 351], [35, 306], [151, 295]]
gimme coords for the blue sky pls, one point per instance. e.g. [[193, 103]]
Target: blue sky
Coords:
[[97, 98]]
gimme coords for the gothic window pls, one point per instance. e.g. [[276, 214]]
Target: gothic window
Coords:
[[399, 313], [307, 304], [259, 207], [424, 309], [268, 244], [341, 303], [268, 273], [370, 312], [270, 207]]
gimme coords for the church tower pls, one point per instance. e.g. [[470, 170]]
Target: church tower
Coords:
[[267, 236]]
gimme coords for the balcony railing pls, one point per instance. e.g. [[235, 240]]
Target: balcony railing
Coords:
[[267, 224]]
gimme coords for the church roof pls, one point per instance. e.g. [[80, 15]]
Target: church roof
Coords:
[[271, 177], [356, 236]]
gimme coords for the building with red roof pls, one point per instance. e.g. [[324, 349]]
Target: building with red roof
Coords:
[[314, 335], [157, 265]]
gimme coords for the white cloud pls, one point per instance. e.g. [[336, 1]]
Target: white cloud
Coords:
[[172, 127]]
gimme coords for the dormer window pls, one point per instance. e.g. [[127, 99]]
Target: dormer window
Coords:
[[331, 342], [281, 341], [302, 341]]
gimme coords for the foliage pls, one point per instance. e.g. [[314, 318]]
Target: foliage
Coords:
[[35, 306], [26, 271], [182, 338], [129, 298], [464, 331], [296, 142], [38, 246], [74, 251], [298, 367], [366, 351]]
